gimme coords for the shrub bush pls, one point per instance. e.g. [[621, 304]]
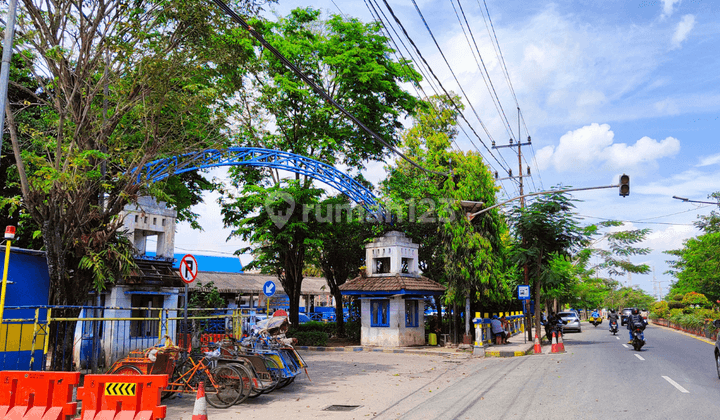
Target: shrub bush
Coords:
[[693, 298], [352, 331], [329, 328], [660, 310], [310, 338], [675, 305]]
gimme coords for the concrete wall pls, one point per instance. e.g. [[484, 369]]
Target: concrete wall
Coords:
[[117, 341], [150, 218], [396, 246], [396, 335]]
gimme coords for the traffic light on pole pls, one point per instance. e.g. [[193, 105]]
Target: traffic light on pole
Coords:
[[624, 185]]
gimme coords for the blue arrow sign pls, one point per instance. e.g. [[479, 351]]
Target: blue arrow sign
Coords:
[[269, 288]]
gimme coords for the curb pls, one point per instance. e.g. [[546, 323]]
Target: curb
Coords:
[[384, 350], [703, 339]]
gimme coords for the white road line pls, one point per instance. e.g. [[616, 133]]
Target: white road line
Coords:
[[626, 346], [676, 385], [639, 357], [617, 337]]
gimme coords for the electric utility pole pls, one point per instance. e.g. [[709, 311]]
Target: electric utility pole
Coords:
[[519, 144]]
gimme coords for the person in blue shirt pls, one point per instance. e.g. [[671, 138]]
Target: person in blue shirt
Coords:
[[497, 330], [595, 314]]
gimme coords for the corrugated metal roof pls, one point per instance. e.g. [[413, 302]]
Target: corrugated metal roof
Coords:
[[253, 283], [391, 283]]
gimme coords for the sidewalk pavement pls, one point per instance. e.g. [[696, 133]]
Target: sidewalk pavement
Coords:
[[518, 346]]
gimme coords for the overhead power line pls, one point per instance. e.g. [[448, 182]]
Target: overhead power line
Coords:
[[506, 73], [422, 66], [315, 87], [456, 80]]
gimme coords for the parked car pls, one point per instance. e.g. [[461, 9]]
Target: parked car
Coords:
[[572, 321], [624, 314]]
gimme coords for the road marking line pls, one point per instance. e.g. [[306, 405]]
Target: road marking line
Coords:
[[639, 357], [626, 346], [617, 337], [676, 385]]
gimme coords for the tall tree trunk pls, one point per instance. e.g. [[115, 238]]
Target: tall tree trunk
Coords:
[[339, 315]]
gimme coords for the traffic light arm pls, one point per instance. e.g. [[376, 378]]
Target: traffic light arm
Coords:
[[470, 216], [687, 200]]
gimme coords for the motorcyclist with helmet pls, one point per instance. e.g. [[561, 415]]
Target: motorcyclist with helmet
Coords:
[[612, 317], [635, 319]]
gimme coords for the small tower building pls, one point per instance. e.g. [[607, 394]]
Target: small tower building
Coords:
[[392, 293]]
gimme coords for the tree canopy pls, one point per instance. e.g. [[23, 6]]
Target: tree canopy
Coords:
[[349, 60], [466, 255]]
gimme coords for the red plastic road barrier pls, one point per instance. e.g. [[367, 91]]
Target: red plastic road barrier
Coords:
[[122, 397], [37, 395]]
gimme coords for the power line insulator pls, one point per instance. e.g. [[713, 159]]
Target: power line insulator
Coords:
[[496, 175], [529, 139], [511, 141], [510, 172], [528, 170]]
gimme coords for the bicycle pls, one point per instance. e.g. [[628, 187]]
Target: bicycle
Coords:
[[224, 384]]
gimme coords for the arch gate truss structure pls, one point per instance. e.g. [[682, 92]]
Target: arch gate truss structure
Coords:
[[254, 156]]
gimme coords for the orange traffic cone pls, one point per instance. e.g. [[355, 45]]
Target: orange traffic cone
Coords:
[[200, 409], [538, 347], [553, 347], [560, 345]]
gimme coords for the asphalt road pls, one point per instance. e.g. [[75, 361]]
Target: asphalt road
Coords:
[[600, 377]]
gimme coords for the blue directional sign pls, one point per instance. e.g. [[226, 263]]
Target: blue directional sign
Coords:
[[523, 292], [269, 288]]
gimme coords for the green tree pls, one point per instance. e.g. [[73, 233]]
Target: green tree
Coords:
[[342, 252], [614, 250], [697, 267], [349, 60], [169, 68], [468, 256], [283, 238], [710, 223], [547, 234]]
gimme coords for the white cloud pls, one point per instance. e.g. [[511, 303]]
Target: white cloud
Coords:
[[682, 30], [668, 6], [644, 150], [593, 146], [691, 183], [670, 238], [709, 160]]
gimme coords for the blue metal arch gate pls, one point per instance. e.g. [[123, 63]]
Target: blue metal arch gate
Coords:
[[254, 156]]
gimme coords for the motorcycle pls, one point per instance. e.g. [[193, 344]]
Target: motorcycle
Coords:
[[613, 327], [595, 321], [638, 341], [557, 328]]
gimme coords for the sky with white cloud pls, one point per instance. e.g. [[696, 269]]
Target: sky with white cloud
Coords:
[[605, 88]]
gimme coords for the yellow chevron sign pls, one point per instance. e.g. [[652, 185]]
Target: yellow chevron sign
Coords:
[[120, 389]]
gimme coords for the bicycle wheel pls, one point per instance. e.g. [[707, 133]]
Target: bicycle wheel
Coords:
[[127, 370], [271, 382], [246, 376], [178, 378], [227, 388]]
